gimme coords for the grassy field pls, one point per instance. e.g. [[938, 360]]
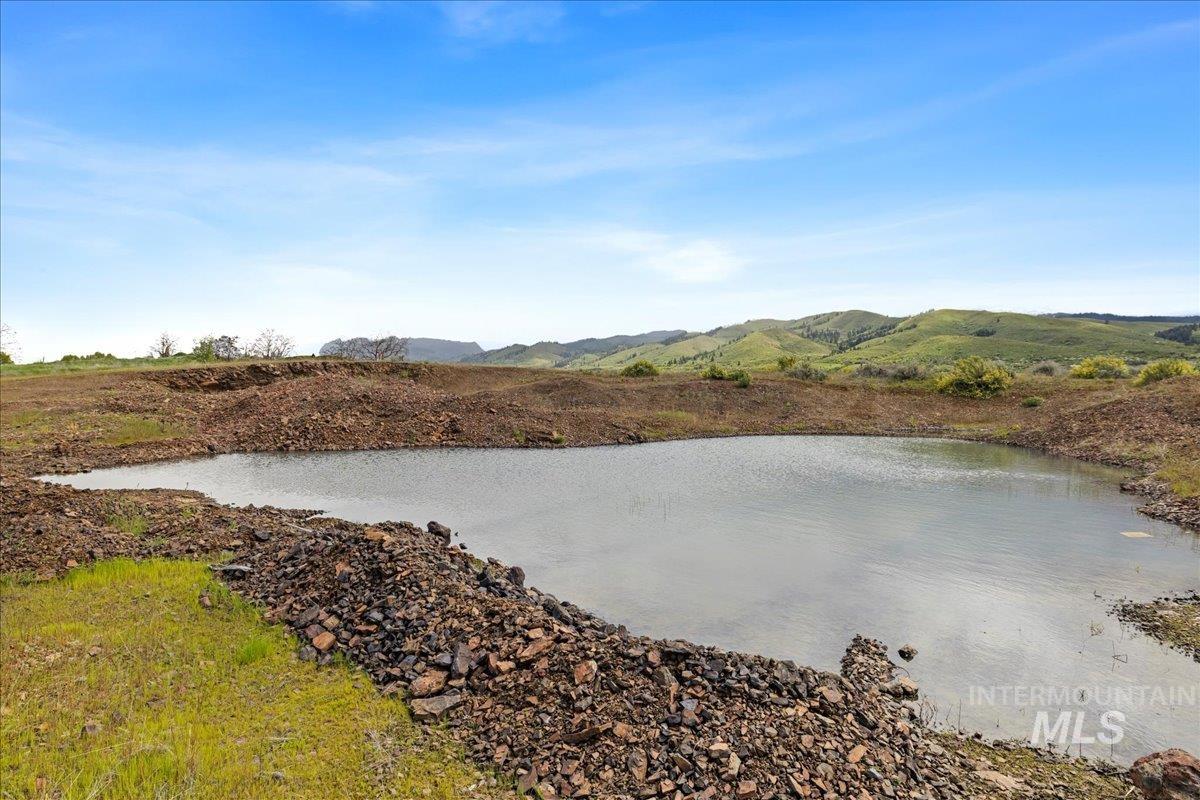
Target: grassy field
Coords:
[[150, 680], [21, 429], [38, 368]]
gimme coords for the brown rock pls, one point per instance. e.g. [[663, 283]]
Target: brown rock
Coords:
[[430, 683], [636, 761], [1005, 782], [460, 665], [585, 672], [431, 708], [830, 695], [1167, 775], [535, 648], [526, 782], [747, 789], [323, 641], [857, 753], [585, 734]]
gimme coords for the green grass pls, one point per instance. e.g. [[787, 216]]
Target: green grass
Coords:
[[1183, 474], [675, 418], [129, 518], [131, 430], [119, 684], [1073, 779], [93, 365], [29, 429]]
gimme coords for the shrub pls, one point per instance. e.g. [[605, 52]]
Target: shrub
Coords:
[[807, 372], [640, 369], [204, 349], [1184, 334], [975, 377], [68, 358], [1160, 370], [1032, 402], [984, 332], [907, 372], [738, 376], [1051, 368], [785, 363], [894, 372], [5, 358], [1100, 367]]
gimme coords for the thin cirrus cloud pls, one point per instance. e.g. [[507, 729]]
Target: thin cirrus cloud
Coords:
[[495, 22]]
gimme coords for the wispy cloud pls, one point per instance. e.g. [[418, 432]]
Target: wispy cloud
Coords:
[[502, 21]]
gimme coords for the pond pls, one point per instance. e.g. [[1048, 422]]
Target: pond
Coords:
[[999, 565]]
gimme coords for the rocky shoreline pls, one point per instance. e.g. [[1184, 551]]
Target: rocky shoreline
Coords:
[[538, 690], [1173, 620]]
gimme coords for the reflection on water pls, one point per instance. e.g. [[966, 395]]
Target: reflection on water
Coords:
[[996, 563]]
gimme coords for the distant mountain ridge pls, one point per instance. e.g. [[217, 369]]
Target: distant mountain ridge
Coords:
[[844, 338], [1180, 320], [421, 349], [554, 354]]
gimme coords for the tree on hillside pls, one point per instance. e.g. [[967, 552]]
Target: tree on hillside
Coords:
[[271, 344], [164, 346], [225, 348], [388, 348]]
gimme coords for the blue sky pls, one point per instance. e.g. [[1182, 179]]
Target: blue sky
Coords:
[[514, 172]]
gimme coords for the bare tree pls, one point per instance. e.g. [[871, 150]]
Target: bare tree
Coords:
[[164, 346], [388, 348], [271, 344]]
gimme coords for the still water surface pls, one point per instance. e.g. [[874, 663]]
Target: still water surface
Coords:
[[998, 564]]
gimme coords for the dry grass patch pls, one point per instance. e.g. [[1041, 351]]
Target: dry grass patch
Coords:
[[119, 683]]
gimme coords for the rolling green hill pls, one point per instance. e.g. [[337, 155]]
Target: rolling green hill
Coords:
[[844, 338], [844, 321], [662, 355], [761, 350], [944, 335]]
